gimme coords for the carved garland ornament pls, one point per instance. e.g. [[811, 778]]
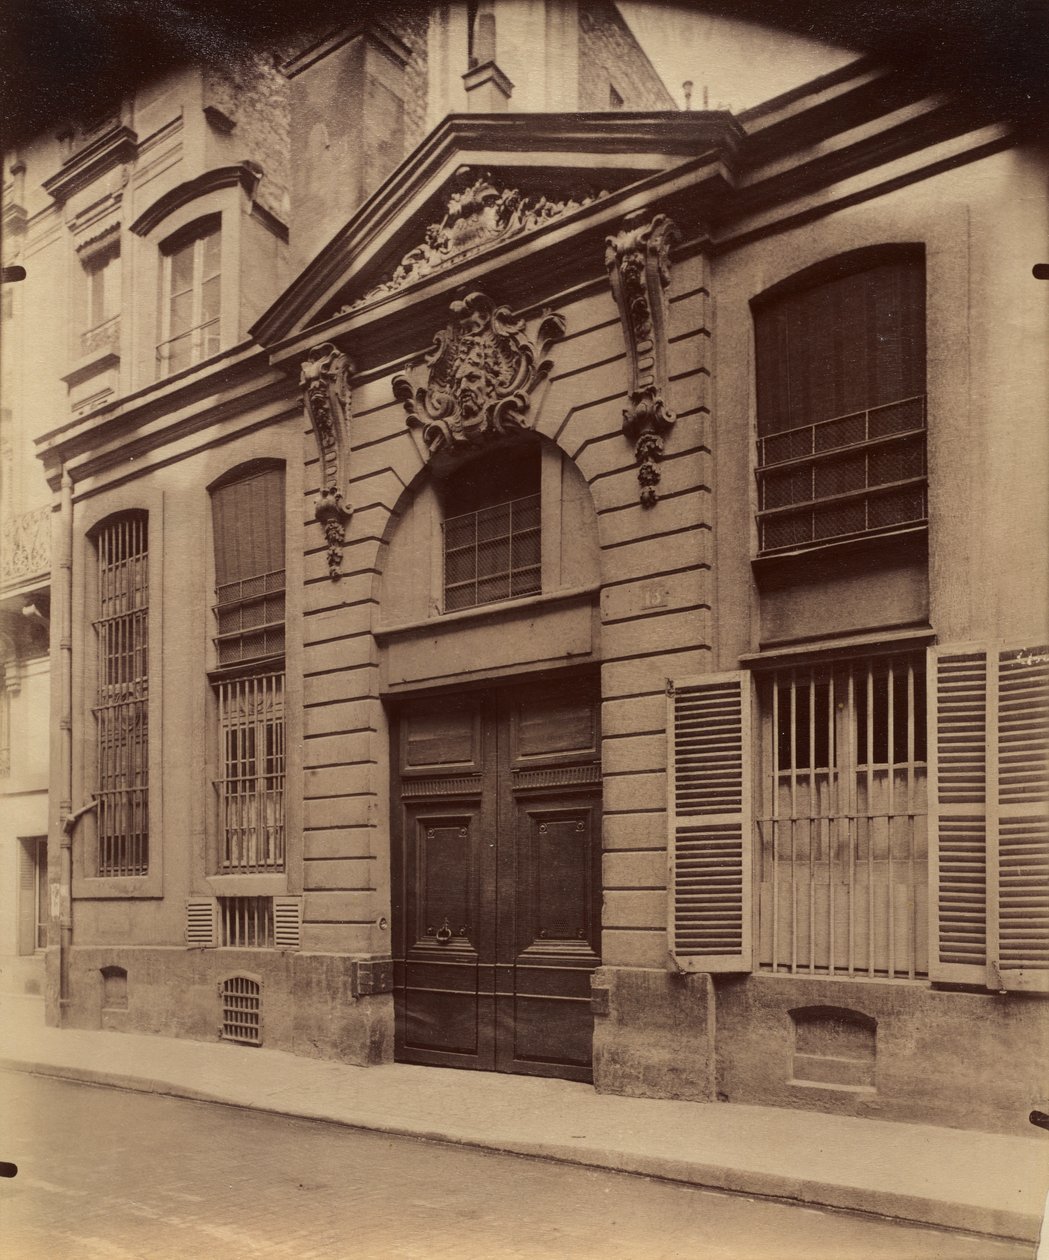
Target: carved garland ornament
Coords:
[[638, 262], [326, 395], [479, 376], [476, 217]]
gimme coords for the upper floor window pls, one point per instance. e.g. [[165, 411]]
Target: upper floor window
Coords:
[[122, 696], [841, 405], [492, 529], [102, 271], [248, 519], [191, 300]]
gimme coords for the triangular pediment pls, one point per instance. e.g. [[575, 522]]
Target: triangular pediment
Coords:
[[476, 185]]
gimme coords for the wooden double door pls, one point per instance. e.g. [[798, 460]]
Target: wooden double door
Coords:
[[497, 888]]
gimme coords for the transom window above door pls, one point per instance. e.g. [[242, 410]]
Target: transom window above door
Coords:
[[492, 543]]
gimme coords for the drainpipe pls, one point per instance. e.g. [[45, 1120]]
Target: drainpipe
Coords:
[[62, 628]]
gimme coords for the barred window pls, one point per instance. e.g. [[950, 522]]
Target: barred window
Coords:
[[122, 697], [251, 782], [492, 530], [841, 406], [248, 517], [246, 922], [841, 828]]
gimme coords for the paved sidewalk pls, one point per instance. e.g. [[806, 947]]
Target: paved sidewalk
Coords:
[[985, 1183]]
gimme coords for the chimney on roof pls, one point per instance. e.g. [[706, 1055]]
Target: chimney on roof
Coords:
[[487, 87]]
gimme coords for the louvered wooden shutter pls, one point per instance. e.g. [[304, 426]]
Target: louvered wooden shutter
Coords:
[[200, 923], [27, 896], [287, 922], [709, 763], [989, 811]]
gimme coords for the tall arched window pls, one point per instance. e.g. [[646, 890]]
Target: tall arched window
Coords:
[[841, 400], [248, 519], [122, 695]]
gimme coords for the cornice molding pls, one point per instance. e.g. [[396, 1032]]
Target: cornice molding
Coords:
[[244, 174], [118, 144], [616, 149]]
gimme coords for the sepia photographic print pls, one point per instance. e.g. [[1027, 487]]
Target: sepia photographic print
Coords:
[[524, 630]]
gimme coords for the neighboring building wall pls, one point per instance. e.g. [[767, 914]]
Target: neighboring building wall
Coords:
[[252, 95], [614, 72]]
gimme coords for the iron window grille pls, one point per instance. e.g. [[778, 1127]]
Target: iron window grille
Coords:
[[851, 475], [251, 780], [242, 1010], [493, 553], [122, 698], [841, 449], [841, 829], [246, 922]]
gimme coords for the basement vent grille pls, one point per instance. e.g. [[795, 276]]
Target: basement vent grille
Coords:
[[287, 921], [200, 923], [242, 1010]]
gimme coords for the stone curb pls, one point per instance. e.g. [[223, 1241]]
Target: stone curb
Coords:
[[960, 1217]]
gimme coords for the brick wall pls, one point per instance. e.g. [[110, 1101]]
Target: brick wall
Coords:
[[610, 57], [254, 95]]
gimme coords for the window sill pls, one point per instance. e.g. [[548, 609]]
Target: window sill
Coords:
[[818, 560], [275, 885], [118, 887], [503, 610], [91, 365]]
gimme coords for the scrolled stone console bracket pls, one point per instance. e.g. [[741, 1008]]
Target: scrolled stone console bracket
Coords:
[[638, 262], [326, 398]]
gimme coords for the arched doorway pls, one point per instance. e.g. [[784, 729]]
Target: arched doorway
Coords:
[[493, 697]]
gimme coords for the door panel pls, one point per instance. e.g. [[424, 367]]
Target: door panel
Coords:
[[442, 929], [497, 921]]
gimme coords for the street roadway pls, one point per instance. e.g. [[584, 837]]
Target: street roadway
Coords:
[[108, 1175]]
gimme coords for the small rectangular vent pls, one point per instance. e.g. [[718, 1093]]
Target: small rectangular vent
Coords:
[[247, 922], [242, 1010], [287, 922], [200, 923]]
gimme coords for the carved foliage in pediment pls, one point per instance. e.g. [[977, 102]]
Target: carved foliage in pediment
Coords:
[[476, 217], [477, 380]]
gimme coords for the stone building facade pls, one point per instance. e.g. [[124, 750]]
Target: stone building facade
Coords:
[[574, 627]]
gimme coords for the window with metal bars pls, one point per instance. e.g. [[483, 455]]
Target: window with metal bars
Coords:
[[841, 405], [246, 922], [492, 530], [248, 518], [122, 697], [242, 1010], [191, 306], [251, 779], [841, 838]]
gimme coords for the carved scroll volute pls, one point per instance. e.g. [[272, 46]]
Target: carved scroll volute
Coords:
[[476, 383], [326, 396], [638, 261]]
